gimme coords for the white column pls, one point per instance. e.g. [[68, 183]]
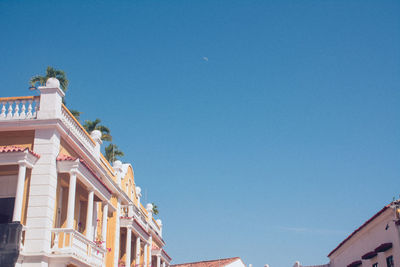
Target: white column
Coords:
[[149, 251], [117, 233], [71, 199], [145, 255], [89, 215], [19, 195], [158, 261], [128, 246], [163, 264], [137, 250], [104, 224]]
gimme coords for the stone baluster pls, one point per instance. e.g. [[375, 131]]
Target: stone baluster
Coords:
[[36, 107], [29, 114], [56, 239], [23, 110], [16, 109], [3, 110], [10, 110]]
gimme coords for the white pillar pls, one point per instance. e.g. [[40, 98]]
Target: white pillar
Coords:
[[158, 261], [71, 200], [145, 255], [117, 233], [137, 250], [19, 195], [128, 246], [89, 215], [163, 264], [104, 224]]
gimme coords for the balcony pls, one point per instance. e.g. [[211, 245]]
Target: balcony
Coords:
[[70, 243]]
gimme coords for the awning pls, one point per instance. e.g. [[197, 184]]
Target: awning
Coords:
[[369, 255], [383, 247], [354, 264]]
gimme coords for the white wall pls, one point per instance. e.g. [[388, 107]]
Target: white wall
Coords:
[[366, 240], [237, 263]]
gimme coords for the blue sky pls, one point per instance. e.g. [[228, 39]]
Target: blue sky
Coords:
[[274, 149]]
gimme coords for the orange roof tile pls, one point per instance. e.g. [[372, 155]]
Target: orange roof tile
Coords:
[[211, 263], [8, 149]]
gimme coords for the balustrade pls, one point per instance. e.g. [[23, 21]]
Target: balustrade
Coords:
[[19, 108], [74, 126], [69, 241]]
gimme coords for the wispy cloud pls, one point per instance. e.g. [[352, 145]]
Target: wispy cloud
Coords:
[[205, 58], [312, 230]]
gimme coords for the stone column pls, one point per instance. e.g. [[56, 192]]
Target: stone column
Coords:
[[145, 255], [71, 200], [128, 246], [104, 224], [117, 233], [163, 264], [42, 191], [19, 195], [158, 261], [137, 250], [89, 215]]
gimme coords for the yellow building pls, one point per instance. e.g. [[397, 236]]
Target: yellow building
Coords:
[[76, 209]]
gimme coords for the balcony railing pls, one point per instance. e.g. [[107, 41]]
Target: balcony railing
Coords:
[[19, 108], [71, 242]]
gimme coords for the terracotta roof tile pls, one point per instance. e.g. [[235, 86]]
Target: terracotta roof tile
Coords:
[[212, 263], [8, 149]]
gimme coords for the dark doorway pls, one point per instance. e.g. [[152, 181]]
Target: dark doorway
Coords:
[[6, 209]]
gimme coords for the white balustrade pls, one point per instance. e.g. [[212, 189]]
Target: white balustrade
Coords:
[[71, 242], [73, 125], [19, 108]]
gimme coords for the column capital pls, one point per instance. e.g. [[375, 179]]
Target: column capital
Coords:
[[23, 163]]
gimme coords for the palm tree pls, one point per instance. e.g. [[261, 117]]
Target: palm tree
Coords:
[[112, 152], [76, 113], [62, 78], [51, 73], [95, 125], [155, 209]]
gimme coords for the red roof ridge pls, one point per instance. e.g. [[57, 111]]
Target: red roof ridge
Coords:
[[14, 148], [195, 262], [359, 229]]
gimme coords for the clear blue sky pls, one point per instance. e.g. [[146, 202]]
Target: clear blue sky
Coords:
[[274, 150]]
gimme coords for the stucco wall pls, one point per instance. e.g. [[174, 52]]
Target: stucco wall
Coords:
[[369, 238]]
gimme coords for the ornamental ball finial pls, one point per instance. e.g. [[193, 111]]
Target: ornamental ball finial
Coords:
[[53, 83]]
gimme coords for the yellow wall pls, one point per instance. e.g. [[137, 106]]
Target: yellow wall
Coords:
[[17, 138], [66, 149], [111, 228], [26, 196]]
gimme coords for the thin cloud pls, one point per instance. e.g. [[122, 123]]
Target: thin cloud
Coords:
[[312, 230], [205, 58]]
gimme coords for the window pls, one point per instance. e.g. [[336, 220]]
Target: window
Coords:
[[375, 265], [389, 261]]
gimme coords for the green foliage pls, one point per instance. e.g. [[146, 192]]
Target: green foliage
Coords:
[[76, 113], [155, 209], [112, 152], [51, 73], [95, 125]]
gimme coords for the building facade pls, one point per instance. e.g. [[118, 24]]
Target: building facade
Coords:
[[75, 208], [376, 243]]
